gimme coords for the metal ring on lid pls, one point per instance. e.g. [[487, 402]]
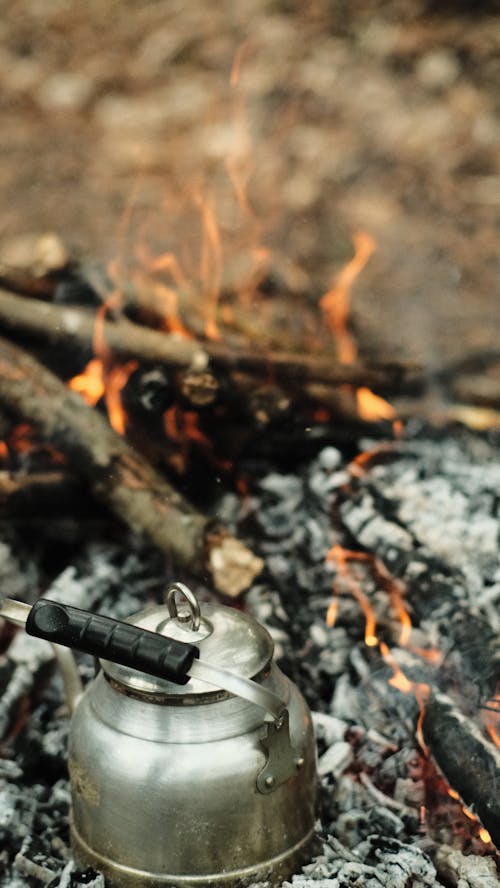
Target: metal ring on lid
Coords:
[[194, 615]]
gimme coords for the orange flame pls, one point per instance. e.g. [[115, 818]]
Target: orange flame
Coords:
[[166, 291], [400, 681], [372, 407], [90, 384], [116, 379], [102, 378], [393, 586], [332, 612], [335, 304], [341, 557], [396, 590], [210, 263]]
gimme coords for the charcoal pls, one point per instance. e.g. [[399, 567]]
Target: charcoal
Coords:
[[373, 774], [76, 291], [148, 392]]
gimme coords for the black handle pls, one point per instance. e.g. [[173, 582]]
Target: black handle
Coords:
[[120, 642]]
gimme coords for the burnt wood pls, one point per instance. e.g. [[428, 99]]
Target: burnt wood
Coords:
[[470, 763], [119, 477]]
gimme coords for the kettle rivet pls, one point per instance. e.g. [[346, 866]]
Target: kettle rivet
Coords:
[[299, 763], [270, 781]]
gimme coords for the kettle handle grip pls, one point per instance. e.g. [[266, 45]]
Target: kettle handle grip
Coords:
[[112, 640]]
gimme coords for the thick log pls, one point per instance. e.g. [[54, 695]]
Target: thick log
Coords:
[[470, 763], [76, 326], [120, 478]]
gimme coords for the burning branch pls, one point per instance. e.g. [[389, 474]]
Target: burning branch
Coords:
[[470, 763], [125, 340], [126, 483]]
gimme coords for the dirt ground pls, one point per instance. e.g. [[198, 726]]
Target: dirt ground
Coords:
[[331, 117]]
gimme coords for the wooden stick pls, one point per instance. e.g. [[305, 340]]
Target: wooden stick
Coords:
[[75, 326], [124, 339], [120, 478]]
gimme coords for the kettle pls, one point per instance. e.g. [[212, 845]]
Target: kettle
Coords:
[[191, 755]]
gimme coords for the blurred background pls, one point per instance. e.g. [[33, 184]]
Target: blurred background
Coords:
[[275, 130]]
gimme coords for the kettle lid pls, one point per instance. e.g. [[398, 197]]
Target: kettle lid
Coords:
[[226, 637]]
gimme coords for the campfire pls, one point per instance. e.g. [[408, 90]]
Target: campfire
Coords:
[[372, 563], [162, 420]]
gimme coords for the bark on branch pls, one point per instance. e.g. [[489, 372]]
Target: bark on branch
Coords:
[[125, 339], [119, 477]]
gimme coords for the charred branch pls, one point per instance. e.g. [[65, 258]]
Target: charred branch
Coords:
[[470, 763], [119, 477]]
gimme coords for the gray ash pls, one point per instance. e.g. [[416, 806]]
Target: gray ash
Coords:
[[429, 511]]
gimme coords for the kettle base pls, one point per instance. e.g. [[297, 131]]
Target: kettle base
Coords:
[[273, 871]]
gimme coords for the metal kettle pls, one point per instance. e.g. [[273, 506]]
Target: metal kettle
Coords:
[[191, 755]]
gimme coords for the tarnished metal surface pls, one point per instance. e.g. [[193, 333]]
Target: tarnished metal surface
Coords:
[[178, 788]]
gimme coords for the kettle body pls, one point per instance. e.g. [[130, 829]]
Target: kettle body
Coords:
[[192, 786], [191, 755]]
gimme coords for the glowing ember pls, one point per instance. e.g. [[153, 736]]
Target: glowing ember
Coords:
[[4, 451], [491, 717], [432, 655], [468, 814], [332, 613], [181, 427], [482, 832], [495, 736], [21, 439]]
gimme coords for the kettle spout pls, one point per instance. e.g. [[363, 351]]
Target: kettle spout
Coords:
[[17, 612]]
